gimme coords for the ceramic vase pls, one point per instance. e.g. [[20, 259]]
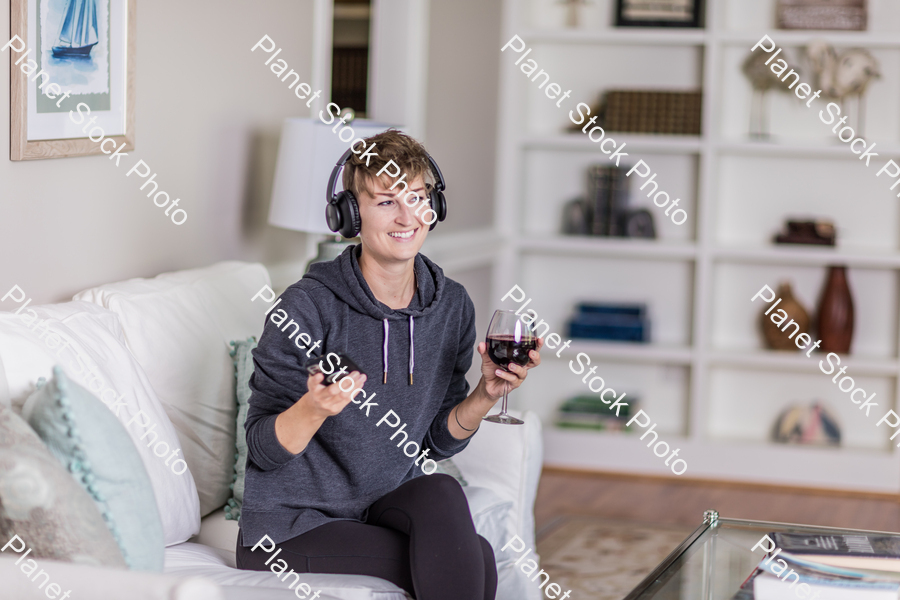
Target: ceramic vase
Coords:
[[835, 319], [775, 338]]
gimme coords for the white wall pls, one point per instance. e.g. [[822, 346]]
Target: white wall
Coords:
[[461, 121], [208, 118], [208, 121]]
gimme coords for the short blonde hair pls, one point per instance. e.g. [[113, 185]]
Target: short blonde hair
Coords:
[[407, 153]]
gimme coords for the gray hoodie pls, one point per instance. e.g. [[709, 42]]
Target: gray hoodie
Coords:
[[423, 351]]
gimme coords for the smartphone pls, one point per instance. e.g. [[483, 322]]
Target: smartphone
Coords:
[[330, 360]]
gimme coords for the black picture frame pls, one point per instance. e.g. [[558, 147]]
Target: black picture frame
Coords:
[[622, 20]]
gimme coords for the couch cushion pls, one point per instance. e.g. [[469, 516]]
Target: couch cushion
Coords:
[[87, 340], [89, 441], [86, 582], [209, 563], [218, 531], [178, 325], [44, 506], [489, 513]]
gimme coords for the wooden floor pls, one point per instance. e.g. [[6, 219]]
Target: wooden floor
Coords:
[[651, 500]]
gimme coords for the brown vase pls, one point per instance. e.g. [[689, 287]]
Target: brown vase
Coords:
[[836, 312], [775, 338]]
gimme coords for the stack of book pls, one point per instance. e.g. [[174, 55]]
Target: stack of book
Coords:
[[604, 210], [607, 199], [827, 567], [676, 113], [589, 412], [616, 322]]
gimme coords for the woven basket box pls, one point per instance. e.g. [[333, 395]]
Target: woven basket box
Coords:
[[675, 113]]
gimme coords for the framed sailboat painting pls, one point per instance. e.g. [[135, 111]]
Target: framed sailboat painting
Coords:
[[71, 77]]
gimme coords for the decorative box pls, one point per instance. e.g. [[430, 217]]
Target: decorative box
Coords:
[[674, 113], [822, 14]]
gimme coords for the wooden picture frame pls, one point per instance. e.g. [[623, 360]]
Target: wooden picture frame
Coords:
[[646, 13], [118, 99]]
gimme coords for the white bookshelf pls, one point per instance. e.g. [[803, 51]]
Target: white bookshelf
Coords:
[[706, 378]]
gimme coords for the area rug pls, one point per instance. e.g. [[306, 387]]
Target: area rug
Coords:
[[602, 559]]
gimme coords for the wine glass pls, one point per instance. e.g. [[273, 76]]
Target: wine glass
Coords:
[[508, 340]]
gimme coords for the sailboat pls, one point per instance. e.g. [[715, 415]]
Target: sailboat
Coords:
[[79, 30]]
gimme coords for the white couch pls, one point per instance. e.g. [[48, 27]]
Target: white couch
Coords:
[[164, 341]]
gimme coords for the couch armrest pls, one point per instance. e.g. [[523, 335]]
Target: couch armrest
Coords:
[[508, 460], [100, 583]]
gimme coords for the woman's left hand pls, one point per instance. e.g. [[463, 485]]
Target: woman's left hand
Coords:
[[496, 378]]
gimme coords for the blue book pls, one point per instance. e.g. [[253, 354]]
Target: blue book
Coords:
[[634, 310], [610, 327]]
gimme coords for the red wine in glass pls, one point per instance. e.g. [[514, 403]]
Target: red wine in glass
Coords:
[[509, 340], [504, 349]]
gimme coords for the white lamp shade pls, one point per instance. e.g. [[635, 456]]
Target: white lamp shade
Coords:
[[307, 154]]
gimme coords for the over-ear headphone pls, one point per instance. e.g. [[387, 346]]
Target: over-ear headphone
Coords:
[[342, 211]]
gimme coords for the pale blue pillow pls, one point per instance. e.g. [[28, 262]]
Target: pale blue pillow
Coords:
[[243, 369], [85, 436], [45, 507]]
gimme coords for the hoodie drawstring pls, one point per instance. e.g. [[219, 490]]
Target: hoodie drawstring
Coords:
[[412, 349], [384, 353]]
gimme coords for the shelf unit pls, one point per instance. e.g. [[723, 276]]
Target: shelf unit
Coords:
[[706, 379]]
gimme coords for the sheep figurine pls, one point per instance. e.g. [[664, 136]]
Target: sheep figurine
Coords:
[[761, 77], [844, 74]]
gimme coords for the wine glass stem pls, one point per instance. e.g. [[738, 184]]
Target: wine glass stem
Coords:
[[505, 396]]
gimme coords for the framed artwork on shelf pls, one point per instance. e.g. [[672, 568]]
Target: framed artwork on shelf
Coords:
[[658, 13], [72, 69]]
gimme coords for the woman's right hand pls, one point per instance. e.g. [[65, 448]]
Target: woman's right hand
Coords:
[[296, 426], [329, 400]]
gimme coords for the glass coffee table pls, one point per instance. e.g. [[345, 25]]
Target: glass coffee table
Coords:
[[713, 562]]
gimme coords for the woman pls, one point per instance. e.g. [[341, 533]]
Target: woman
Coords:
[[329, 477]]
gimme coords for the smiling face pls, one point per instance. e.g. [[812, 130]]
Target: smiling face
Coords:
[[391, 231]]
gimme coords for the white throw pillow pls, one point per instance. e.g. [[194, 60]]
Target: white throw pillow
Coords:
[[88, 343], [178, 325], [507, 460]]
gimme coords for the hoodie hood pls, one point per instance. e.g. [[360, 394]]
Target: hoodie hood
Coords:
[[345, 280]]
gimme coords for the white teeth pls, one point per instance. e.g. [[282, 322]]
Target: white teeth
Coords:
[[404, 236]]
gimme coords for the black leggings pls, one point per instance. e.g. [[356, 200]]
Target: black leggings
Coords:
[[419, 536]]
